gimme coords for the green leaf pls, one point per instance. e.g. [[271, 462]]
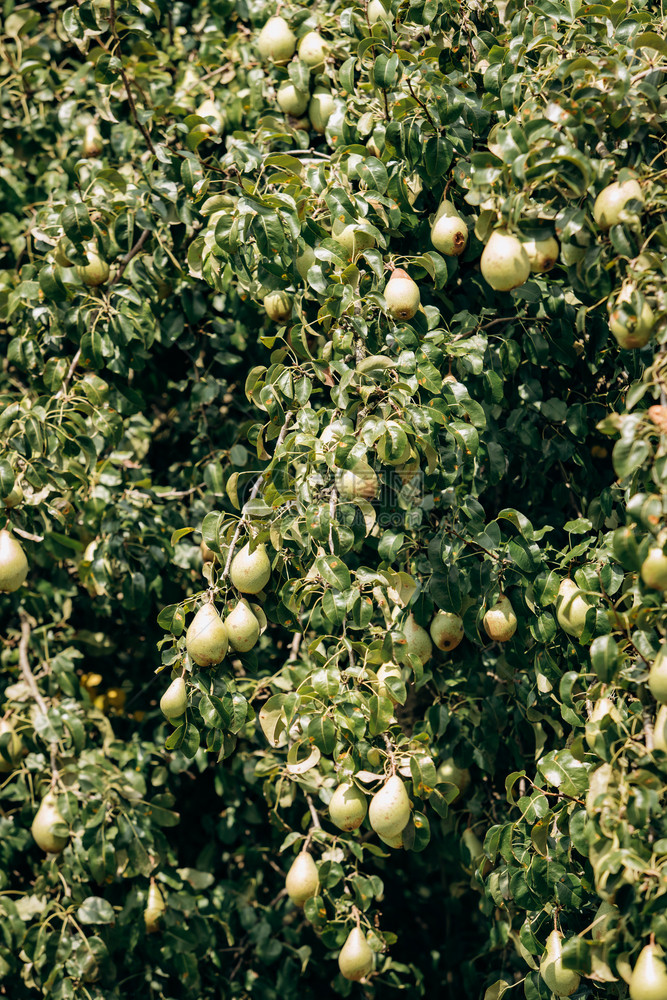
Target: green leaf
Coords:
[[95, 910]]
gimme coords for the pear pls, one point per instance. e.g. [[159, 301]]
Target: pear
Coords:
[[504, 262], [206, 639], [449, 233], [155, 909], [571, 608], [560, 981], [601, 708], [631, 331], [348, 806], [278, 306], [313, 51], [14, 497], [660, 729], [306, 259], [542, 254], [389, 810], [242, 627], [13, 563], [60, 256], [258, 612], [302, 880], [654, 569], [417, 639], [459, 776], [609, 204], [250, 571], [292, 100], [401, 295], [209, 109], [46, 817], [207, 553], [359, 483], [354, 240], [356, 958], [473, 845], [95, 272], [383, 672], [92, 141], [446, 630], [394, 842], [14, 747], [174, 701], [657, 676], [320, 109], [500, 621], [649, 976], [276, 41], [376, 11]]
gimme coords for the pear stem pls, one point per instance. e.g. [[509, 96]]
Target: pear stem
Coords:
[[357, 916], [390, 754], [651, 939]]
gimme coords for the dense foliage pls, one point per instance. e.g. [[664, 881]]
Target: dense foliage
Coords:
[[201, 218]]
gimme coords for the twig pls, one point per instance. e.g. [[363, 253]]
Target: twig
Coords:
[[313, 813], [29, 678], [294, 647], [68, 378], [390, 754], [421, 105], [128, 256], [332, 516], [126, 83], [27, 534]]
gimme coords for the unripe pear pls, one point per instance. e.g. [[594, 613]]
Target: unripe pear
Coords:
[[13, 563], [563, 982], [313, 50], [320, 109], [14, 747], [292, 100], [302, 880], [417, 639], [631, 331], [278, 306], [383, 672], [155, 909], [389, 810], [348, 806], [354, 240], [59, 255], [401, 295], [305, 260], [14, 497], [446, 630], [92, 141], [174, 701], [459, 776], [206, 639], [609, 204], [356, 958], [542, 254], [660, 729], [242, 627], [654, 569], [394, 842], [46, 817], [250, 571], [504, 262], [276, 41], [359, 483], [449, 233], [376, 11], [500, 621], [209, 109], [95, 272], [649, 976], [207, 553], [657, 676], [571, 608]]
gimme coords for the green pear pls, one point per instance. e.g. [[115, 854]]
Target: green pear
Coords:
[[657, 676], [258, 612], [446, 630], [278, 306], [660, 730], [348, 806], [207, 553], [354, 240], [356, 958], [321, 108], [631, 331], [453, 775], [504, 262], [417, 639], [46, 818], [276, 41], [500, 621], [95, 271], [14, 497], [302, 880], [598, 784], [560, 981], [174, 701], [360, 483], [93, 143], [306, 259], [401, 295], [206, 639], [449, 233], [389, 810], [611, 201], [382, 674], [292, 100], [14, 747], [242, 627], [376, 11], [394, 842], [649, 976], [313, 51], [250, 571], [13, 563], [654, 569], [60, 255], [542, 254], [155, 908], [571, 608]]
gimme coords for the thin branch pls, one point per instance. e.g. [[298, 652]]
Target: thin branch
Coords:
[[421, 105], [128, 256], [62, 391], [24, 664], [313, 812], [126, 83]]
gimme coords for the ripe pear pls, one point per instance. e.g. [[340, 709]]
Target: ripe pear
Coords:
[[354, 240], [302, 880], [446, 630], [609, 204], [292, 100], [95, 272], [571, 608], [449, 233], [278, 306], [500, 621], [356, 958], [155, 909], [320, 109], [242, 627], [401, 295], [660, 729], [207, 553], [504, 262], [14, 497], [417, 639], [562, 982], [459, 776], [313, 51], [389, 810], [93, 143], [14, 747], [359, 483], [657, 676], [654, 569], [542, 254], [631, 331], [394, 842], [206, 639], [376, 11], [13, 563], [46, 817], [382, 673], [649, 976], [250, 571], [174, 701], [276, 41], [348, 806]]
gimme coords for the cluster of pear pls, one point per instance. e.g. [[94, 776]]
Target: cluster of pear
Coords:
[[277, 43], [446, 631], [94, 272]]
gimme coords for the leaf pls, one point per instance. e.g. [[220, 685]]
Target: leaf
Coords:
[[296, 766], [605, 656], [322, 732], [95, 910], [271, 718]]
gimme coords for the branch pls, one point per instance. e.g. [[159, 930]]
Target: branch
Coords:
[[24, 664], [126, 83], [68, 378], [128, 256], [421, 105], [313, 813]]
